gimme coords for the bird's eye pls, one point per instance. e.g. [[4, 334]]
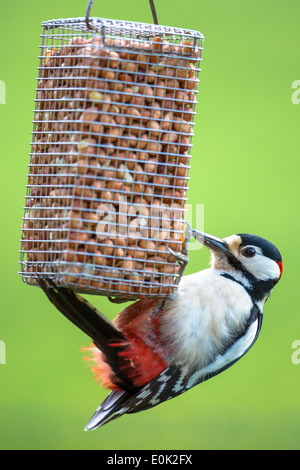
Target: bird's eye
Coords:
[[249, 252]]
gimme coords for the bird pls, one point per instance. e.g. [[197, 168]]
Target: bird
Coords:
[[156, 349]]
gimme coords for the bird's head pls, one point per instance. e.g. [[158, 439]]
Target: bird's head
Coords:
[[253, 257]]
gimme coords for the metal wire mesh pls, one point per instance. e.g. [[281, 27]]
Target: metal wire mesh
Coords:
[[107, 182]]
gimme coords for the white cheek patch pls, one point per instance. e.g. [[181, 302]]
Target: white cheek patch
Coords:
[[262, 268]]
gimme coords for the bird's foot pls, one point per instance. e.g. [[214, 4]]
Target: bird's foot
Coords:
[[116, 300], [182, 257]]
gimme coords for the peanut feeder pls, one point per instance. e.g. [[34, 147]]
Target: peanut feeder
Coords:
[[108, 173]]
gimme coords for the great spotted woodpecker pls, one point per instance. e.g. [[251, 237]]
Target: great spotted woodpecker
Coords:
[[158, 349]]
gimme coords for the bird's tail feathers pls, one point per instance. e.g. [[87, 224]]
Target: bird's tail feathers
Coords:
[[104, 334], [82, 314], [110, 409]]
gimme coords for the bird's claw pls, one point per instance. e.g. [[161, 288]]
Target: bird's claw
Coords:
[[181, 258], [188, 232], [116, 300]]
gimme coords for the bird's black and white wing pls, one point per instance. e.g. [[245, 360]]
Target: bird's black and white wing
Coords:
[[175, 379]]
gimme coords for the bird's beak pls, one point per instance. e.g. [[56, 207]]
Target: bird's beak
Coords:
[[211, 242]]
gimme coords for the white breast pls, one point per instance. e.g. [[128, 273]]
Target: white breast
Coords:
[[207, 313]]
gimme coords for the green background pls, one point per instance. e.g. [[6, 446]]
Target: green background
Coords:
[[245, 170]]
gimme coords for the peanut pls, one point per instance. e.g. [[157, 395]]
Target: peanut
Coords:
[[182, 126], [154, 128]]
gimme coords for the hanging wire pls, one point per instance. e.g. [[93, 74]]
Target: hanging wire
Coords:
[[153, 11], [89, 7], [87, 15]]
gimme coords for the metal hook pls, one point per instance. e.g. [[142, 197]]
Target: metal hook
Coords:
[[153, 12], [88, 23], [87, 16], [91, 27]]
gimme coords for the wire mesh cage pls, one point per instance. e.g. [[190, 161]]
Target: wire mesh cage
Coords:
[[108, 173]]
